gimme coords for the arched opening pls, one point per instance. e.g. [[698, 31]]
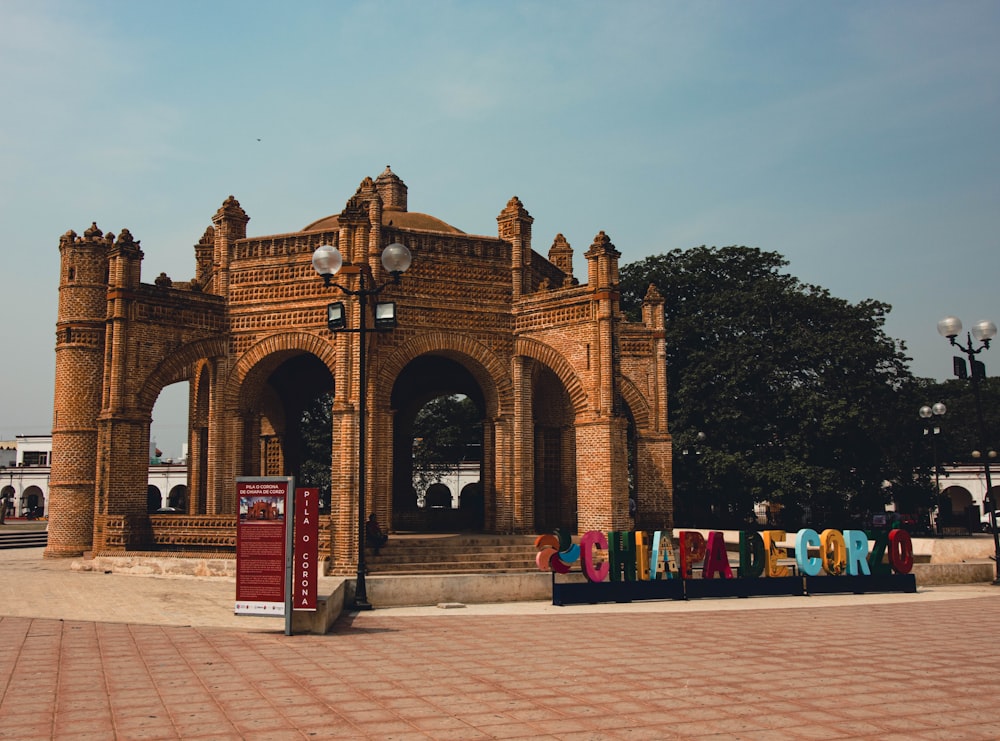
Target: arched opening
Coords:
[[954, 507], [154, 500], [316, 426], [198, 455], [632, 462], [177, 498], [32, 503], [168, 432], [555, 453], [293, 419], [438, 447], [437, 496]]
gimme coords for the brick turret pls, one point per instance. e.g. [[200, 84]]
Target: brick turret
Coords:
[[514, 224], [83, 288], [230, 223], [561, 255], [392, 189]]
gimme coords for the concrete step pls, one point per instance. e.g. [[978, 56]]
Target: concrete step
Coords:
[[436, 554], [23, 539], [454, 554], [451, 569]]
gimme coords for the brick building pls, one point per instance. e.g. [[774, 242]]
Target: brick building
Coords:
[[573, 398]]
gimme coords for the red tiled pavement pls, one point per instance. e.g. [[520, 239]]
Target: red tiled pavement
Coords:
[[868, 670]]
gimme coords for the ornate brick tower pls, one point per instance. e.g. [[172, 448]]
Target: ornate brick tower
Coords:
[[83, 285], [568, 393]]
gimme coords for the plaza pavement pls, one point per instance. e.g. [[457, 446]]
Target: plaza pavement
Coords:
[[87, 655]]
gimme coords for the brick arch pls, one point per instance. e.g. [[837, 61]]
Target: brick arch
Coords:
[[274, 348], [486, 368], [638, 405], [177, 368], [200, 384], [557, 364]]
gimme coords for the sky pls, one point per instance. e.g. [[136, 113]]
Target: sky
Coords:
[[860, 140]]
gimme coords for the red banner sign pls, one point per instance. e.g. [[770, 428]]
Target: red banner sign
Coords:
[[305, 572], [260, 546]]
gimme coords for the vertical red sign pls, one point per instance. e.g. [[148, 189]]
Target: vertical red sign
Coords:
[[260, 546], [305, 572]]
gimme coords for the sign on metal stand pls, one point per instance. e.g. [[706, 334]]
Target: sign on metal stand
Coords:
[[265, 512]]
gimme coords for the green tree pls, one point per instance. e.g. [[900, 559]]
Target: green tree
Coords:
[[446, 431], [959, 429], [796, 392], [316, 431]]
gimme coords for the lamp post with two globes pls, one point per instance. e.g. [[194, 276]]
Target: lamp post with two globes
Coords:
[[984, 331], [932, 429], [328, 262]]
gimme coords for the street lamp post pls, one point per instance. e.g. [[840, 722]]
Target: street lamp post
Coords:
[[926, 412], [984, 331], [328, 261]]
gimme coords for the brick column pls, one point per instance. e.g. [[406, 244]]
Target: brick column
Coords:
[[602, 475], [524, 448]]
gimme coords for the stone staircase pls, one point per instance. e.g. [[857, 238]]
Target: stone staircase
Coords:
[[23, 538], [407, 554]]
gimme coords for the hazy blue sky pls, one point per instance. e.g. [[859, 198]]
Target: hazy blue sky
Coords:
[[859, 139]]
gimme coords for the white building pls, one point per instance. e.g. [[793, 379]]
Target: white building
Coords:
[[446, 488], [964, 487], [24, 478]]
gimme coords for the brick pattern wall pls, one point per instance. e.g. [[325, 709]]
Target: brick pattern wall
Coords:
[[503, 312]]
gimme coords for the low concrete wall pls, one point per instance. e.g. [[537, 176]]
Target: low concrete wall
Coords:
[[327, 611], [399, 591], [955, 550], [928, 574], [146, 565]]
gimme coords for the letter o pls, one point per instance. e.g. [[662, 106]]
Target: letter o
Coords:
[[833, 551], [900, 551]]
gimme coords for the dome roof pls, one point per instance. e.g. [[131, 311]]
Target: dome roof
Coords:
[[398, 219], [392, 191]]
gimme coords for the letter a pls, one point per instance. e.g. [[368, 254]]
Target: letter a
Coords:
[[716, 558]]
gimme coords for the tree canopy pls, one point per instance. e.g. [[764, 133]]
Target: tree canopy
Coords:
[[446, 431], [959, 433], [795, 392], [316, 437]]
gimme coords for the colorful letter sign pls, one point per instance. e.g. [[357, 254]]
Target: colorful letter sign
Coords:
[[622, 566]]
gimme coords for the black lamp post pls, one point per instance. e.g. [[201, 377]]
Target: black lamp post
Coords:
[[983, 332], [328, 261], [932, 429]]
